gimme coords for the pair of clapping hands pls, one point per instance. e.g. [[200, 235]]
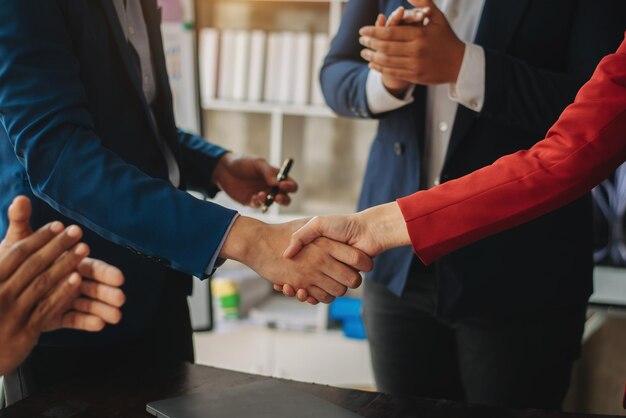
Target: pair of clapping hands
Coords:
[[47, 282]]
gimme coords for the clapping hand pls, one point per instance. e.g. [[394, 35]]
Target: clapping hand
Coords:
[[407, 52], [47, 282]]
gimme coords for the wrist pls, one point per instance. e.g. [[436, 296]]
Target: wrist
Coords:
[[386, 224], [396, 88], [238, 245], [221, 167]]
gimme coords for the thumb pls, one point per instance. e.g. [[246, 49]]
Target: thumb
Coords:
[[19, 220], [302, 237]]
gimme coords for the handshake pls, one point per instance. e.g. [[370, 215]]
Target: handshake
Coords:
[[316, 260], [319, 259]]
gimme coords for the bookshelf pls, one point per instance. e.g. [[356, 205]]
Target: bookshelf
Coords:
[[330, 152]]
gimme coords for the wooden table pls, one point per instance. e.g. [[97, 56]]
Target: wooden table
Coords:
[[125, 392]]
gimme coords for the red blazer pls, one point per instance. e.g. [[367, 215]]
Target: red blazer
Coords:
[[584, 146]]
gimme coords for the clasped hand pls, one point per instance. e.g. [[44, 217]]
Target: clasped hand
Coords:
[[407, 52]]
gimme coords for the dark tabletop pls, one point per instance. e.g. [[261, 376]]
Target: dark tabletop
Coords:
[[125, 392]]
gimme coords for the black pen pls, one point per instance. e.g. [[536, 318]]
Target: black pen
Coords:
[[282, 176]]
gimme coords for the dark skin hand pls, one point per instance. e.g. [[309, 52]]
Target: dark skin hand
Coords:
[[42, 287], [248, 179]]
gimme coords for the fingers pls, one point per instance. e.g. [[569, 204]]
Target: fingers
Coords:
[[269, 175], [19, 220], [304, 236], [53, 306], [396, 17], [419, 15], [49, 279], [288, 291], [393, 33], [381, 20], [109, 295], [283, 200], [395, 48], [349, 256], [332, 283], [387, 60], [82, 322], [288, 186], [107, 313], [319, 295], [44, 257], [101, 272], [19, 252]]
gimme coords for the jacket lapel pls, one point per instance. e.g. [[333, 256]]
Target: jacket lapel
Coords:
[[498, 24], [124, 48]]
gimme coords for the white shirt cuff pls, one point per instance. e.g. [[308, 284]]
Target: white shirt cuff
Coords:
[[212, 264], [379, 100], [469, 89]]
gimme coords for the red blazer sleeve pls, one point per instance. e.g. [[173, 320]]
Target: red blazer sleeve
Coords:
[[584, 146]]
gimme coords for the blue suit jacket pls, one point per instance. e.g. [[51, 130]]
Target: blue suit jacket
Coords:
[[76, 136], [538, 54]]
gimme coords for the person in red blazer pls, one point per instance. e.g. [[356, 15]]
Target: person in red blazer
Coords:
[[582, 148]]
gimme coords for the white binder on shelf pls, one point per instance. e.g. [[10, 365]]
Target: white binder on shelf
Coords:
[[257, 66], [321, 44], [209, 62], [273, 67], [241, 66], [226, 85], [287, 68], [302, 71]]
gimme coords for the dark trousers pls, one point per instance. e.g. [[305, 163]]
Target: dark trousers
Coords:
[[515, 361], [167, 340]]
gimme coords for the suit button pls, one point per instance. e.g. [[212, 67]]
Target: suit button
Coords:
[[398, 149]]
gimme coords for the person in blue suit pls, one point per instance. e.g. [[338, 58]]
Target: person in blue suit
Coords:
[[500, 321], [88, 133]]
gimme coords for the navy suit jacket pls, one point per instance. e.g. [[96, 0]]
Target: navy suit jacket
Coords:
[[76, 136], [538, 54]]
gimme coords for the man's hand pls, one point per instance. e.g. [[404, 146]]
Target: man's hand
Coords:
[[326, 269], [248, 180], [372, 232], [412, 53], [41, 284], [400, 16]]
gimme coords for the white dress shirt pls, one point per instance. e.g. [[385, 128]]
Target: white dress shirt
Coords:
[[134, 26], [443, 99]]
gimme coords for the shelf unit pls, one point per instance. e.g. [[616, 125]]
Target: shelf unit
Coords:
[[277, 131]]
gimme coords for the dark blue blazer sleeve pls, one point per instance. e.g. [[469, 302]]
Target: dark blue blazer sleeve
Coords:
[[199, 159], [344, 74], [43, 108], [532, 98]]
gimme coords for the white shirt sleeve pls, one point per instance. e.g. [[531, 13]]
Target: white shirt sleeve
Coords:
[[379, 100], [469, 89], [215, 262]]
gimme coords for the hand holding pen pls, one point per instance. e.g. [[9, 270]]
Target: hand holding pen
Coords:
[[282, 175]]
